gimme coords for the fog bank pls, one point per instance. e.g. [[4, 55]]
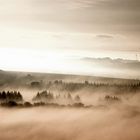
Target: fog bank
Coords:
[[113, 123]]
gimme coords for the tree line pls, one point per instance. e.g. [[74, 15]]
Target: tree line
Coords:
[[10, 96], [128, 87], [47, 96], [44, 98]]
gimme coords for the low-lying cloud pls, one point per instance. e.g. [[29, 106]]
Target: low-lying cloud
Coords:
[[66, 124]]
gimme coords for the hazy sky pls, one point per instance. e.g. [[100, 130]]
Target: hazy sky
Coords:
[[42, 29]]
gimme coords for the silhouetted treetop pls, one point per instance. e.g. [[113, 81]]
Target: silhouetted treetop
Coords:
[[10, 96]]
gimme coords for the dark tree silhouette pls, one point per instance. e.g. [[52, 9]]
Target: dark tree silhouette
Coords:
[[10, 96]]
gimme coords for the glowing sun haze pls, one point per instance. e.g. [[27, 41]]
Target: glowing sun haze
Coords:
[[49, 36]]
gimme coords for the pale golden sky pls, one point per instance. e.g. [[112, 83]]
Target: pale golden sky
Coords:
[[67, 29]]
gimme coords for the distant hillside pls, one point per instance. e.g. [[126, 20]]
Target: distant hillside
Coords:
[[114, 67], [25, 79], [118, 63]]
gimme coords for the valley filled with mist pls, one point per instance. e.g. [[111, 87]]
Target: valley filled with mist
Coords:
[[63, 107]]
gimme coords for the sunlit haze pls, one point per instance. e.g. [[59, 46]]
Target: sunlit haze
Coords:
[[51, 36]]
